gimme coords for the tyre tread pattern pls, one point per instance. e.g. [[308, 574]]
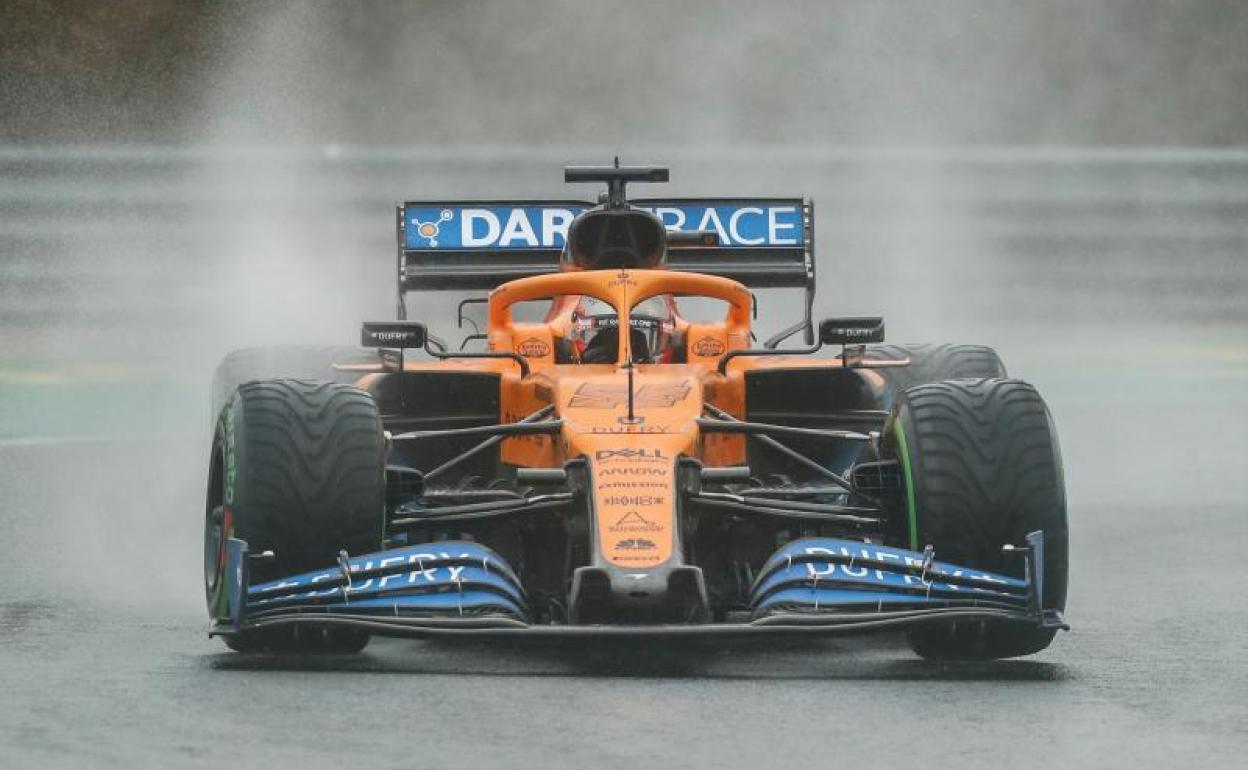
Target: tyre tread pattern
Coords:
[[313, 471], [300, 362], [936, 363], [987, 471]]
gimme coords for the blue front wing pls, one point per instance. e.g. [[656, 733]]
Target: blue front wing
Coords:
[[822, 585]]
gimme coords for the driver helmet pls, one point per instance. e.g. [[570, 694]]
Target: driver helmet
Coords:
[[595, 331]]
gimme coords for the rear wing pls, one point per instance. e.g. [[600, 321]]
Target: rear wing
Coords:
[[478, 245]]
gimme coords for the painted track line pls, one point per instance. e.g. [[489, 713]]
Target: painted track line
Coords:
[[47, 441]]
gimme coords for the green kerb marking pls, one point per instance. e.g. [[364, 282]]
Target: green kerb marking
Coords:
[[911, 515]]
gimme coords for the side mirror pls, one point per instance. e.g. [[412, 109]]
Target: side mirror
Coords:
[[404, 335], [851, 331]]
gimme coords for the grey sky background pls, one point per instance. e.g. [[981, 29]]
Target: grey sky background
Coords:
[[944, 72]]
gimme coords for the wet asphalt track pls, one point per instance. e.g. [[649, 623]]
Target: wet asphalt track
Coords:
[[104, 662]]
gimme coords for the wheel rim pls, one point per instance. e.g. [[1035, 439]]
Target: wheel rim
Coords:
[[214, 547], [214, 527]]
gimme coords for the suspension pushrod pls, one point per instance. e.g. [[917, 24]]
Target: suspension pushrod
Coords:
[[763, 429], [483, 510], [791, 505], [504, 430], [484, 445], [787, 513], [800, 458]]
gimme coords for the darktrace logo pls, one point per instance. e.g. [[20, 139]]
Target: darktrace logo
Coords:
[[429, 230]]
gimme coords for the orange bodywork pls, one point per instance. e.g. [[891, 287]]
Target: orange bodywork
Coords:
[[632, 461]]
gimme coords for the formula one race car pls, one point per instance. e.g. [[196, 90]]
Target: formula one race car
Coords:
[[622, 459]]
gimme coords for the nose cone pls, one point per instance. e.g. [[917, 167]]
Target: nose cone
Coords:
[[637, 564], [632, 461]]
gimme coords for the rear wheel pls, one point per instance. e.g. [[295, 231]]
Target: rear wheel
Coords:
[[934, 363], [298, 468], [328, 363], [981, 468]]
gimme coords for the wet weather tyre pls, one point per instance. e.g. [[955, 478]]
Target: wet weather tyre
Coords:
[[329, 363], [298, 468], [981, 462], [934, 363]]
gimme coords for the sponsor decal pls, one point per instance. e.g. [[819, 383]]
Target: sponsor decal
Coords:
[[628, 453], [641, 471], [422, 573], [545, 226], [533, 348], [635, 544], [381, 336], [586, 323], [850, 333], [231, 462], [708, 346], [828, 569], [633, 492], [630, 559], [592, 395], [429, 230], [630, 429], [739, 224], [638, 500], [621, 279], [634, 522], [633, 485]]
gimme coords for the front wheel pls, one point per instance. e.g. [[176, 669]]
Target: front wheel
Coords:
[[981, 468], [297, 468]]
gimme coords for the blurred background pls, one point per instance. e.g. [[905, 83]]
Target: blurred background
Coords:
[[1066, 181]]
